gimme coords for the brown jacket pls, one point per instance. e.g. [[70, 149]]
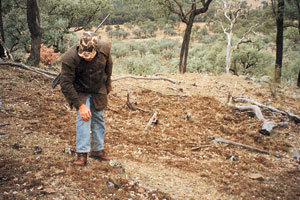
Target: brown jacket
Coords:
[[80, 78]]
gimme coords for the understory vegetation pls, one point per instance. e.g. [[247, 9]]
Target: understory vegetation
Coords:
[[148, 41]]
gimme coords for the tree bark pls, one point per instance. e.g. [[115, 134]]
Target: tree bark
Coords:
[[298, 82], [185, 44], [187, 18], [279, 41], [297, 3], [2, 51], [34, 24], [228, 52]]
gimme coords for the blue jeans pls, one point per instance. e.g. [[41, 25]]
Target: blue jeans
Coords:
[[95, 126]]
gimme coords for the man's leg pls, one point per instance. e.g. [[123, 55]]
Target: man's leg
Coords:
[[98, 133], [82, 137], [98, 129]]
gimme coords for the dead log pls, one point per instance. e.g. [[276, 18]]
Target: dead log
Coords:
[[152, 120], [267, 125], [293, 116], [144, 78], [221, 140], [22, 66]]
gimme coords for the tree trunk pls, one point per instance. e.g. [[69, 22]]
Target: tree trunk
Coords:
[[2, 51], [185, 44], [298, 83], [228, 52], [297, 2], [34, 24], [279, 41]]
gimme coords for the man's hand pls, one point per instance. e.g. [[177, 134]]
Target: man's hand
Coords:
[[85, 112]]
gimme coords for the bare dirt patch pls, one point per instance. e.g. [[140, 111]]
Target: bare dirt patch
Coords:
[[38, 142]]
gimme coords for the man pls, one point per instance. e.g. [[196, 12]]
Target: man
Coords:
[[85, 82]]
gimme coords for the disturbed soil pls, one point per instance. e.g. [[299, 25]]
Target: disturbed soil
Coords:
[[175, 157]]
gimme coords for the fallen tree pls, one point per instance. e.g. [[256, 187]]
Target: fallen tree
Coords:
[[221, 140], [291, 115], [30, 68]]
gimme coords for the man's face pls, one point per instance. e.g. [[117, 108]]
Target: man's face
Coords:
[[88, 59]]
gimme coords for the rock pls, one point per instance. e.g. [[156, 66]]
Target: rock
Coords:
[[256, 176], [265, 79], [141, 190], [296, 154]]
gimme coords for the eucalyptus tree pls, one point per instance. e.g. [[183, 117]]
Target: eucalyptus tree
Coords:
[[278, 9], [186, 10], [61, 18], [292, 13], [34, 24], [232, 10]]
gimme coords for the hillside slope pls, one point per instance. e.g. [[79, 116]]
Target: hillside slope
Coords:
[[175, 158]]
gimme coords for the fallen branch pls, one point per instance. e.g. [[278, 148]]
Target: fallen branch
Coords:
[[175, 89], [4, 108], [144, 78], [221, 140], [200, 147], [170, 95], [8, 83], [267, 125], [293, 116], [129, 104], [22, 66], [7, 124], [152, 120]]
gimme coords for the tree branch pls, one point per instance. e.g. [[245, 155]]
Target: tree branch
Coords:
[[22, 66], [145, 78]]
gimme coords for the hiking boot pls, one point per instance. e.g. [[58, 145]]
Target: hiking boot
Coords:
[[100, 155], [81, 160]]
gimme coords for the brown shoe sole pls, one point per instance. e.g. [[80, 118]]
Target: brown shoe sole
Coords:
[[79, 164], [99, 158]]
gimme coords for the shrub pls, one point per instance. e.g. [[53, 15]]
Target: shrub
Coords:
[[47, 55], [108, 28]]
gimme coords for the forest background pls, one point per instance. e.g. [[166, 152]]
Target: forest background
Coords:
[[147, 35]]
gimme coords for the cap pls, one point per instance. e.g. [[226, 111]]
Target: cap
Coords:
[[88, 45]]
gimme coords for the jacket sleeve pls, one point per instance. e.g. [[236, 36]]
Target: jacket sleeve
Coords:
[[67, 87]]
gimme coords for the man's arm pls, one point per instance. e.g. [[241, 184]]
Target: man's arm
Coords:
[[67, 87]]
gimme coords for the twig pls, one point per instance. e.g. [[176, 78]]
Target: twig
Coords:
[[170, 95], [221, 140], [175, 89], [152, 119], [200, 147], [8, 83], [4, 108], [129, 104], [145, 78], [7, 124], [109, 108]]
